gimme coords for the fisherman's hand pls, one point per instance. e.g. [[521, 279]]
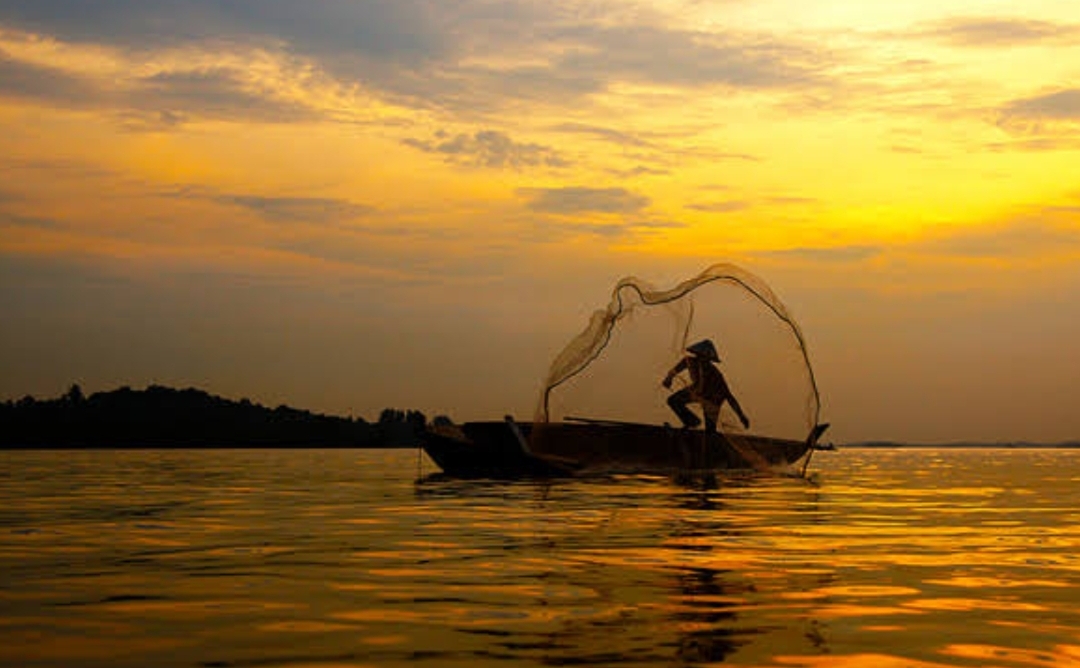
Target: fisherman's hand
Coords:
[[667, 383], [745, 422]]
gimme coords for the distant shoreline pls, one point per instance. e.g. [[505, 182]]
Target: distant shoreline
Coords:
[[165, 448], [163, 418], [1068, 445], [301, 446]]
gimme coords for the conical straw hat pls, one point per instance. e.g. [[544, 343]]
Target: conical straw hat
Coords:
[[704, 348]]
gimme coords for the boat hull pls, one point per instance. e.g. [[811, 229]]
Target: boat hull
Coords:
[[510, 450]]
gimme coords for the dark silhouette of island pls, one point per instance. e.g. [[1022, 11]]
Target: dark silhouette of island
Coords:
[[162, 417]]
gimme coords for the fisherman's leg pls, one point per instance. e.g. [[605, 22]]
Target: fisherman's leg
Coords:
[[711, 411], [678, 402], [713, 440], [723, 449]]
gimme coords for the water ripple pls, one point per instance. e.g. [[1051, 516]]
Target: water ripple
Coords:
[[338, 558]]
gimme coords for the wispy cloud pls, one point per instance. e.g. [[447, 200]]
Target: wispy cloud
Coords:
[[405, 31], [579, 199], [218, 93], [298, 209], [682, 58], [19, 220], [6, 196], [451, 55], [314, 210], [788, 200], [603, 133], [1055, 114], [845, 253], [1035, 144], [488, 148], [1027, 235], [729, 206], [553, 230], [161, 100], [638, 170], [1063, 104], [906, 150], [28, 81], [988, 32]]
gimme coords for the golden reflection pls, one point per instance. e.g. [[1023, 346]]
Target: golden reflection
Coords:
[[1060, 656], [968, 604], [882, 627], [853, 610], [762, 572], [1001, 583], [205, 608], [384, 640], [36, 647], [458, 616], [868, 660], [302, 626], [868, 591]]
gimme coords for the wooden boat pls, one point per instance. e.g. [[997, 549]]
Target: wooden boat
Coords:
[[577, 446]]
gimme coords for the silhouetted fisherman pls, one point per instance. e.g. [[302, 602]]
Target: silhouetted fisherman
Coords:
[[707, 388]]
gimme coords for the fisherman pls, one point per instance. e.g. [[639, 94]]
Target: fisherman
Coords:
[[707, 388]]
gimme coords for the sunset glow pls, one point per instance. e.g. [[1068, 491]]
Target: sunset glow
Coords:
[[353, 205]]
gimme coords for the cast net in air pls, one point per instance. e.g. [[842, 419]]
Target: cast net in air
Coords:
[[612, 372]]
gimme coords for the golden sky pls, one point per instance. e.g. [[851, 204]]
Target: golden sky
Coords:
[[350, 205]]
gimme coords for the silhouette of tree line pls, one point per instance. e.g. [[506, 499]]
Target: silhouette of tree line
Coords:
[[162, 417]]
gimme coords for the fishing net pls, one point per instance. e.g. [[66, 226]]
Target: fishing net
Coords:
[[612, 372]]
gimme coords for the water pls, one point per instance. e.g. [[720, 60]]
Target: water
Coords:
[[336, 558]]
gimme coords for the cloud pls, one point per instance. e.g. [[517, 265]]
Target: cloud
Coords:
[[298, 209], [790, 200], [555, 230], [1067, 209], [657, 225], [681, 58], [467, 55], [849, 253], [1064, 104], [1036, 144], [1055, 113], [488, 148], [214, 93], [638, 170], [28, 81], [578, 199], [996, 31], [1036, 233], [389, 29], [162, 100], [37, 222], [729, 206], [281, 209], [599, 132], [1032, 234]]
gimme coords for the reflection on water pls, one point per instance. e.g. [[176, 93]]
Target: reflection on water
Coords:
[[330, 558]]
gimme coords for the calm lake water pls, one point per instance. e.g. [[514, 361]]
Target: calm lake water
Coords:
[[338, 558]]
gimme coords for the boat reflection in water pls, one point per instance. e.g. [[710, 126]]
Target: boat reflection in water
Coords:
[[644, 579]]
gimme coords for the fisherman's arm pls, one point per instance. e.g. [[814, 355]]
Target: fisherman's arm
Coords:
[[674, 372], [738, 410]]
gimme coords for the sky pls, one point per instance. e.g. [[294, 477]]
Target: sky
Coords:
[[347, 205]]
